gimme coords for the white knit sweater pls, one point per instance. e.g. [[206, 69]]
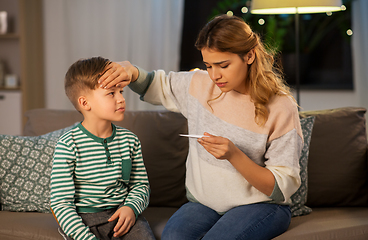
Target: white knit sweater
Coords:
[[216, 183]]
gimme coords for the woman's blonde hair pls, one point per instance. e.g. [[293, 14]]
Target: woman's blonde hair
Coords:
[[231, 34]]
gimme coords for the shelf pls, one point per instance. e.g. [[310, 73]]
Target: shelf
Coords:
[[21, 51], [9, 36], [10, 88]]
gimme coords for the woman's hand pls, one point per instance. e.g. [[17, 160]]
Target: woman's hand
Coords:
[[119, 74], [222, 148], [125, 222], [219, 147]]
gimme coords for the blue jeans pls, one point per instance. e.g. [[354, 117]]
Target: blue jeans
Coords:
[[255, 221]]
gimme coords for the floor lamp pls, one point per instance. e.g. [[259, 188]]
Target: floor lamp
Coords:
[[295, 7]]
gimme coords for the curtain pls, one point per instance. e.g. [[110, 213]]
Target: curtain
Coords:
[[145, 32], [360, 49]]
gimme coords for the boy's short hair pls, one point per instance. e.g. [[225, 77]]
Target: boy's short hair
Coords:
[[83, 75]]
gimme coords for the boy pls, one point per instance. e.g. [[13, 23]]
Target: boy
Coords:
[[99, 185]]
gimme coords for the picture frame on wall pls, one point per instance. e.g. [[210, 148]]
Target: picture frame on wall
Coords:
[[11, 81]]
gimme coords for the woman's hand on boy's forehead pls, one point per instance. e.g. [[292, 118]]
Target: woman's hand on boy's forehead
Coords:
[[118, 74]]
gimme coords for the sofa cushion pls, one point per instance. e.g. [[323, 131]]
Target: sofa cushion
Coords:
[[28, 226], [164, 153], [299, 198], [157, 218], [42, 121], [337, 164], [329, 224], [25, 167]]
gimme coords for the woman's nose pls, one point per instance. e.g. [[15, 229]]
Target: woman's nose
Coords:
[[215, 74]]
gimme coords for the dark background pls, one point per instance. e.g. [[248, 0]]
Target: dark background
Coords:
[[328, 66]]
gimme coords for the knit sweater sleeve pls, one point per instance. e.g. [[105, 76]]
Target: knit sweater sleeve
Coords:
[[284, 149], [159, 88], [62, 194]]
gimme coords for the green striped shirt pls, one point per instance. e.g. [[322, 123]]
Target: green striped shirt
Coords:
[[91, 174]]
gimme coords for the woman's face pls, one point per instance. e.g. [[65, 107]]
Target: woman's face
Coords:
[[227, 70]]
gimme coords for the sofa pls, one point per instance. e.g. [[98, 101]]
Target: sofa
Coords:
[[332, 202]]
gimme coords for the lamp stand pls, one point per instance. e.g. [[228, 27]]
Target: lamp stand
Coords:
[[297, 56]]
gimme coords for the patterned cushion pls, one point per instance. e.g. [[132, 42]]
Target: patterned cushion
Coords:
[[299, 198], [25, 168]]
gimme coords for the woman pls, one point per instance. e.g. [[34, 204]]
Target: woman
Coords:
[[242, 172]]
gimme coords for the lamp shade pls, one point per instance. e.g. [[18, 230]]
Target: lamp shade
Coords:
[[294, 6]]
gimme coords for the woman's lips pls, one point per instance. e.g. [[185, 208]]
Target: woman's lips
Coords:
[[221, 84]]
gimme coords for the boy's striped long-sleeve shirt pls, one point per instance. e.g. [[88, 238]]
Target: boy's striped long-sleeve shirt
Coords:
[[91, 174]]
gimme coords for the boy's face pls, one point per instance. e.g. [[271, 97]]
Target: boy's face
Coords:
[[107, 104]]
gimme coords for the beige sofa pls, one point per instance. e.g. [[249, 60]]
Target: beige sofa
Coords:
[[336, 177]]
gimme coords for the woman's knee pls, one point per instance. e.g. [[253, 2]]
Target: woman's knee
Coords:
[[273, 223], [191, 221], [257, 221]]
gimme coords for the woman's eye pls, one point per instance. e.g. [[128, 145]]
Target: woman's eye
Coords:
[[111, 93], [208, 67], [121, 92], [224, 66]]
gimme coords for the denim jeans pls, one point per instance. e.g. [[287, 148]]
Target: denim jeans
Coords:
[[255, 221]]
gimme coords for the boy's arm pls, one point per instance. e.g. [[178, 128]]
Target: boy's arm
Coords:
[[139, 190], [62, 194]]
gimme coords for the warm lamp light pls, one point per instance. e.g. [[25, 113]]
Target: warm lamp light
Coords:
[[295, 7]]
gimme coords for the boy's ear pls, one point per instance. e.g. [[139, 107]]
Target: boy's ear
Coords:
[[83, 103]]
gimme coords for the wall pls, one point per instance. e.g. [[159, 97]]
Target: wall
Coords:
[[145, 32], [327, 99]]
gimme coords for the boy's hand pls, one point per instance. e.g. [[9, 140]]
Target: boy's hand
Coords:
[[119, 74], [125, 222]]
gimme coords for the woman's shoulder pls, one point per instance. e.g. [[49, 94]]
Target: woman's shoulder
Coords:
[[282, 103], [200, 75], [196, 76], [283, 116], [202, 86]]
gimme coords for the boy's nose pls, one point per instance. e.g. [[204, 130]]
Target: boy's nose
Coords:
[[121, 99]]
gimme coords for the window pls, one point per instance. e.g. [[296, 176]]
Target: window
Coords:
[[325, 50]]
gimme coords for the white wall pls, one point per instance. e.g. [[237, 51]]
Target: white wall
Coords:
[[327, 99], [55, 55], [145, 32]]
